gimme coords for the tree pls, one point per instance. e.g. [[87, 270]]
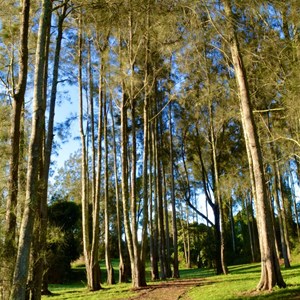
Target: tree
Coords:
[[109, 268], [122, 265], [174, 219], [41, 224], [18, 102], [270, 272], [32, 187], [63, 241], [90, 249]]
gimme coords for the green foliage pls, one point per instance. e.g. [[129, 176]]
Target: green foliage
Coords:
[[64, 236], [66, 183], [202, 245]]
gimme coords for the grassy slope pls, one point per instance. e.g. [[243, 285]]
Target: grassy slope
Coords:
[[239, 284]]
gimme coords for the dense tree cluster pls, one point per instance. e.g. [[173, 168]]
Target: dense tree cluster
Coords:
[[187, 116]]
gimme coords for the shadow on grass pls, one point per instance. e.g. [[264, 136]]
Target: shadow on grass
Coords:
[[242, 269], [291, 292], [196, 273]]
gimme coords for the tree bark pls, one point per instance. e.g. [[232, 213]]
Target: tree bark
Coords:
[[146, 149], [32, 200], [270, 271], [90, 255], [216, 190], [173, 204], [160, 212], [277, 193], [40, 231], [153, 208], [122, 271], [17, 105], [216, 211], [109, 268], [167, 230]]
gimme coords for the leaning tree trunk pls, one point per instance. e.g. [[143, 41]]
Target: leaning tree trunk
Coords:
[[32, 188], [270, 269]]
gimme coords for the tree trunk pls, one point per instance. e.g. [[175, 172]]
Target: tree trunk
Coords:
[[160, 212], [277, 192], [167, 233], [188, 238], [249, 228], [232, 227], [217, 192], [153, 208], [49, 142], [216, 211], [109, 268], [253, 192], [296, 215], [184, 237], [122, 271], [90, 255], [124, 182], [39, 243], [84, 200], [270, 272], [173, 204], [145, 155], [9, 250], [32, 200], [285, 207]]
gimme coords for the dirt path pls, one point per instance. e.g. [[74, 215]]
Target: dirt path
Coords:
[[169, 290]]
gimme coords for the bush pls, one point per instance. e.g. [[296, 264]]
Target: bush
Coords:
[[64, 240]]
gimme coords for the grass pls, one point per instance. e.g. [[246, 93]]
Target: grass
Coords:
[[239, 284], [79, 291]]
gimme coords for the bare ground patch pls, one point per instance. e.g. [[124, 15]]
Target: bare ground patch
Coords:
[[168, 290]]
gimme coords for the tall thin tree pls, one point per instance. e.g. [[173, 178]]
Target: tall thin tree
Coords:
[[32, 200], [18, 101], [270, 269]]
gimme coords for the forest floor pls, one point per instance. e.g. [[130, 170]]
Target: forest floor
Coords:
[[194, 284], [168, 290]]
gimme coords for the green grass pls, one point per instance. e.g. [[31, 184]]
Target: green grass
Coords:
[[79, 291], [239, 284]]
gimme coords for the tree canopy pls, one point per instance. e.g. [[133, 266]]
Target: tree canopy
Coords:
[[186, 116]]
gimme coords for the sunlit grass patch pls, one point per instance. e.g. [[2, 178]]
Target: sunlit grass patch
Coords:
[[241, 284]]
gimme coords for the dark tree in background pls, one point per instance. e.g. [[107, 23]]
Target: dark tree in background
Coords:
[[64, 240]]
